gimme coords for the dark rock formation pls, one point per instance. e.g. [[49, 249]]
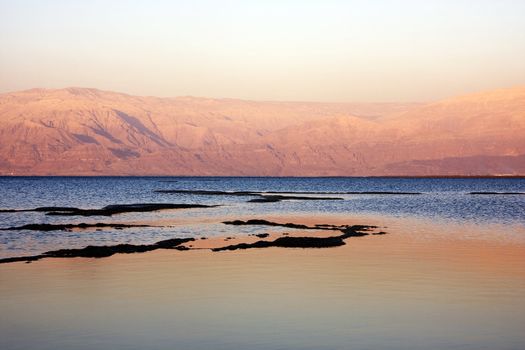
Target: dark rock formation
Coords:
[[103, 251], [498, 193], [64, 227], [289, 242], [39, 209], [110, 209], [345, 192], [176, 243], [301, 242], [265, 223], [262, 197], [210, 193], [299, 226]]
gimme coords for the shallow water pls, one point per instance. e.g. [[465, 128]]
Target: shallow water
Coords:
[[442, 200], [391, 292], [449, 275]]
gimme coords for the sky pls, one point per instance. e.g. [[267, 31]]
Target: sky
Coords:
[[300, 50]]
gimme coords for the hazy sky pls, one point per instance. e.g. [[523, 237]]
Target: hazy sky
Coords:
[[267, 49]]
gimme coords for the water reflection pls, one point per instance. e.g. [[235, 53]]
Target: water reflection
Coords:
[[444, 201], [394, 292]]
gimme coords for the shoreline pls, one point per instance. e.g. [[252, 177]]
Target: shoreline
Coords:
[[274, 177]]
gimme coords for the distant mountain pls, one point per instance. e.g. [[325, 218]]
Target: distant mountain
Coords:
[[77, 131]]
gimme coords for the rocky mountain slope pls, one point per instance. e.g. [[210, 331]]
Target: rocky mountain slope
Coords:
[[77, 131]]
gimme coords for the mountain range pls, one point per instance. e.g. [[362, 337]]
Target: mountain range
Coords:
[[80, 131]]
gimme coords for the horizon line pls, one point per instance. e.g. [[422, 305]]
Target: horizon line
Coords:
[[520, 86]]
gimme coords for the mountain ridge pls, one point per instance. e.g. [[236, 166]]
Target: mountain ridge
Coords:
[[85, 131]]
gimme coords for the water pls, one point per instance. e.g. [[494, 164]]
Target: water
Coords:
[[449, 275], [442, 200]]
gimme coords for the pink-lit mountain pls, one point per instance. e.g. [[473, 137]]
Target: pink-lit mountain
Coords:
[[79, 131]]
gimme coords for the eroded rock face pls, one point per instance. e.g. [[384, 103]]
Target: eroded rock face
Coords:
[[92, 132]]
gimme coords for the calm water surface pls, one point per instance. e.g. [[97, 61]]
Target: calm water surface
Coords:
[[442, 200], [449, 275]]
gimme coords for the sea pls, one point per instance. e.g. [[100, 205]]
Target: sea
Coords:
[[448, 274], [443, 200]]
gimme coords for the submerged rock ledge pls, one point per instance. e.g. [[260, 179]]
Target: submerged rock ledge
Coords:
[[344, 192], [262, 197], [66, 227], [176, 243], [289, 242], [304, 242], [301, 226], [109, 210], [103, 251], [270, 193], [265, 198], [301, 242], [498, 193]]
